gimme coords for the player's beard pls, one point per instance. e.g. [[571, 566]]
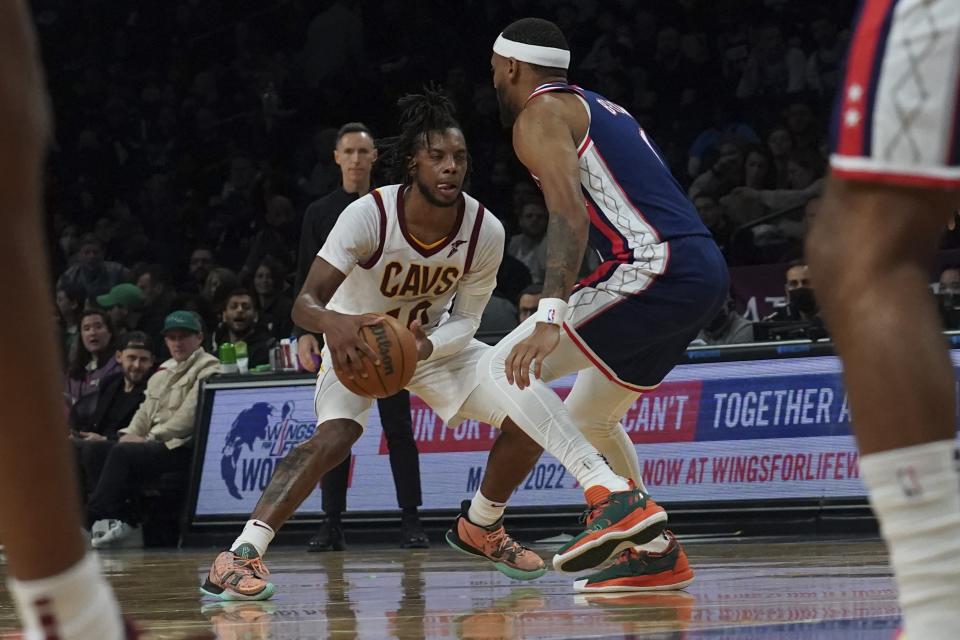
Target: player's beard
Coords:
[[432, 199], [507, 115]]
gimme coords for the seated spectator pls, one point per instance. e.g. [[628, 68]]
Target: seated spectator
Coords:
[[529, 301], [948, 297], [724, 171], [240, 322], [780, 143], [825, 64], [499, 318], [727, 327], [220, 282], [201, 262], [91, 271], [801, 315], [92, 362], [275, 306], [70, 301], [123, 304], [528, 246], [275, 238], [726, 122], [118, 399], [717, 221], [156, 283], [773, 68], [159, 435]]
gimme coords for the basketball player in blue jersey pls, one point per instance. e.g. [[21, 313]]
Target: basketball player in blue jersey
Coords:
[[623, 328], [895, 181]]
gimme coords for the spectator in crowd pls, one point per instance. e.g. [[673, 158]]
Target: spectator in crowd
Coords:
[[726, 123], [123, 304], [499, 318], [220, 282], [275, 239], [724, 172], [948, 297], [274, 304], [826, 62], [716, 219], [118, 399], [529, 301], [92, 362], [240, 322], [159, 435], [727, 327], [70, 301], [91, 271], [201, 262], [156, 283], [774, 68], [528, 246], [780, 143], [801, 304]]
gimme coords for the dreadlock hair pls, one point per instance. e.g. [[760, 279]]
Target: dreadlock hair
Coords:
[[421, 114]]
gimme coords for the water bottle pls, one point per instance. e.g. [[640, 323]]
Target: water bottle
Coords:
[[228, 358], [243, 361]]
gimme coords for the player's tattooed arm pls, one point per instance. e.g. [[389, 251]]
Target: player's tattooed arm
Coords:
[[545, 144]]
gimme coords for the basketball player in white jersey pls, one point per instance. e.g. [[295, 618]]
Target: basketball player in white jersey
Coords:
[[895, 181], [404, 250]]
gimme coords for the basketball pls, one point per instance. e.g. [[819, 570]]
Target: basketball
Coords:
[[397, 349]]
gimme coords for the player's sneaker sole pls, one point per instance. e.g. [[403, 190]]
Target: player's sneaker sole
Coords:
[[593, 553], [505, 569], [212, 590]]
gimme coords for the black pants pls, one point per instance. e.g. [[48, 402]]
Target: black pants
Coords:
[[91, 455], [127, 467], [404, 459]]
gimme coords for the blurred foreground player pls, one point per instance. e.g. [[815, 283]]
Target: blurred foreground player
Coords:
[[895, 182], [57, 587], [622, 328]]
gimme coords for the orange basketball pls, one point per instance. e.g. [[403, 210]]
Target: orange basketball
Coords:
[[397, 349]]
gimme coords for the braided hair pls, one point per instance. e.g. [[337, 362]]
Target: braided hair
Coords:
[[421, 114]]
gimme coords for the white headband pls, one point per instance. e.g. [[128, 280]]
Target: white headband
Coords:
[[532, 53]]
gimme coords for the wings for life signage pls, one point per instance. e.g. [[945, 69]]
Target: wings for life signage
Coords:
[[744, 430]]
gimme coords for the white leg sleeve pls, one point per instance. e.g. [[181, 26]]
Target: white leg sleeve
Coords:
[[596, 405], [540, 413]]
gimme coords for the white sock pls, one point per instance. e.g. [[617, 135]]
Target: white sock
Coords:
[[77, 604], [484, 511], [915, 492], [657, 545], [256, 532], [540, 413]]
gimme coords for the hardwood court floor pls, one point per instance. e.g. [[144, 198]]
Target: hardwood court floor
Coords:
[[771, 589]]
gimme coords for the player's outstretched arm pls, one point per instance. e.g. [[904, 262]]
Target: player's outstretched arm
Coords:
[[544, 143], [341, 331]]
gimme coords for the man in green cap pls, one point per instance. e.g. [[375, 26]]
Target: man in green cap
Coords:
[[159, 436], [123, 304]]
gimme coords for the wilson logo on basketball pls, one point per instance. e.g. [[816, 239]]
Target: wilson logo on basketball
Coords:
[[383, 347]]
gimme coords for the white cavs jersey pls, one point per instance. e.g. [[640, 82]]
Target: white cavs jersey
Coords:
[[388, 271]]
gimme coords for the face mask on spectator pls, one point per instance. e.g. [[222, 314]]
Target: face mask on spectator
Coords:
[[802, 298]]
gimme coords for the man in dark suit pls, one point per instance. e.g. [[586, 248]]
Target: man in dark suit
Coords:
[[355, 153], [118, 398]]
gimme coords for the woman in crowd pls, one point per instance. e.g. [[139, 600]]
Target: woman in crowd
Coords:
[[93, 360], [275, 304]]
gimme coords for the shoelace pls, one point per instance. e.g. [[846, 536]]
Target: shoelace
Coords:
[[504, 542], [591, 512], [254, 565]]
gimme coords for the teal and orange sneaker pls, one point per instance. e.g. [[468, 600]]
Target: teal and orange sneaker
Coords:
[[639, 570], [508, 556], [238, 575], [618, 521]]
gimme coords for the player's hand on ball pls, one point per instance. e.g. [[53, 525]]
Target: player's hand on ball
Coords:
[[531, 350], [424, 346], [342, 335]]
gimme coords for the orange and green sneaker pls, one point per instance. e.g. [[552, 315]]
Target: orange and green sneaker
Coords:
[[618, 521], [639, 570], [238, 575], [508, 556]]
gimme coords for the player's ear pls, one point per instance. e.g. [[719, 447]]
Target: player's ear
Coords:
[[374, 155]]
